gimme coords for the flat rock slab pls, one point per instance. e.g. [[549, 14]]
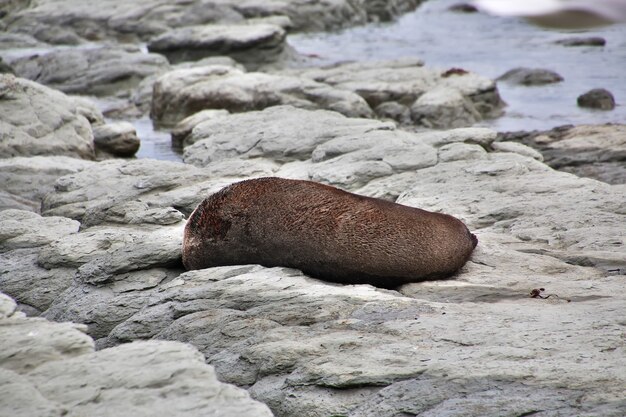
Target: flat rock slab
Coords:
[[181, 93], [36, 120], [433, 97], [594, 151], [307, 347], [29, 179], [95, 71], [51, 369], [252, 44]]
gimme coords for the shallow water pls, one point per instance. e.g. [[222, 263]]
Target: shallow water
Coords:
[[490, 46]]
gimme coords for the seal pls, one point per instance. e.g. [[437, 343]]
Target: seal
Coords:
[[325, 232]]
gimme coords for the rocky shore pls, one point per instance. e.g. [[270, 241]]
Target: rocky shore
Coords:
[[99, 317]]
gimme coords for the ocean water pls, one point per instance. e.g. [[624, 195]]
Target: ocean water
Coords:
[[490, 46]]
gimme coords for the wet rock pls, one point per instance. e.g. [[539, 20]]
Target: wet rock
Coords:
[[49, 368], [594, 151], [530, 76], [253, 44], [582, 41], [98, 71], [118, 139], [36, 120], [597, 98], [181, 93]]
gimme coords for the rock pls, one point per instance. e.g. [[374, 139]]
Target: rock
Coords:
[[310, 348], [595, 151], [597, 98], [137, 192], [252, 44], [463, 8], [50, 368], [394, 111], [29, 179], [118, 139], [23, 229], [181, 93], [5, 68], [459, 151], [582, 41], [98, 71], [530, 76], [36, 120], [89, 110], [127, 22], [18, 41], [444, 108], [343, 151], [404, 81], [517, 148], [22, 235], [183, 129]]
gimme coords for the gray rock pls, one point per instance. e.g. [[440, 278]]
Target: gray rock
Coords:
[[5, 68], [183, 129], [29, 343], [23, 229], [36, 120], [582, 41], [51, 369], [530, 76], [28, 179], [595, 151], [444, 108], [118, 139], [394, 111], [18, 41], [131, 192], [89, 109], [97, 71], [458, 151], [252, 44], [517, 148], [181, 93], [311, 348], [597, 98], [22, 235], [463, 8], [134, 22], [404, 81], [345, 152]]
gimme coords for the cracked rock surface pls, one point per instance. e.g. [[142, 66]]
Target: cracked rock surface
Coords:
[[476, 342]]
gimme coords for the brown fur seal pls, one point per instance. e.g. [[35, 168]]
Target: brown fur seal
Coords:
[[325, 232]]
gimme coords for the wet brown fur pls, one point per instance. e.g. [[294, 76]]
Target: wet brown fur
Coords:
[[325, 232]]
